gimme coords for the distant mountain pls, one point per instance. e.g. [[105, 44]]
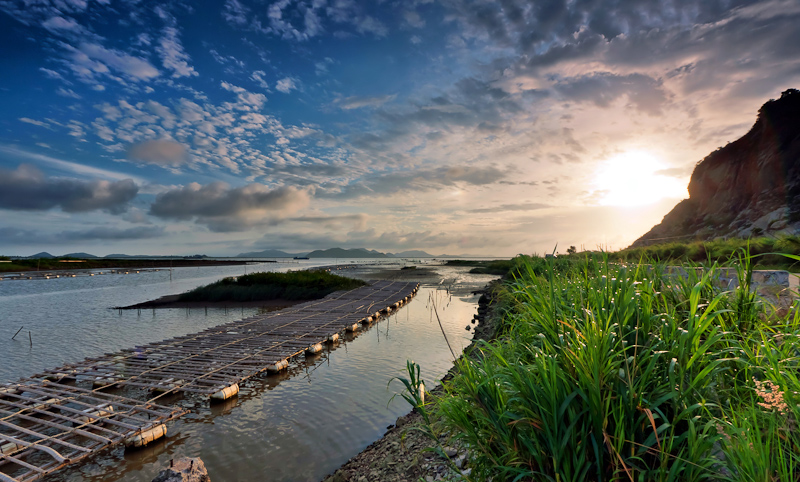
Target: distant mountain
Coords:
[[346, 253], [750, 187], [269, 253], [79, 255], [415, 253], [43, 255]]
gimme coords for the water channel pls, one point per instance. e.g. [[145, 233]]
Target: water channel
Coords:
[[297, 426]]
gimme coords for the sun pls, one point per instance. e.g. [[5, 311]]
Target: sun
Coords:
[[633, 178]]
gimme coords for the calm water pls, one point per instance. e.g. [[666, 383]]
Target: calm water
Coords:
[[70, 318], [298, 426]]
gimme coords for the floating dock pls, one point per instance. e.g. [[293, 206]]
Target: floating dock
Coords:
[[62, 415]]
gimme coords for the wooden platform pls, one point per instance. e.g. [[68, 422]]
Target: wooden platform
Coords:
[[43, 421]]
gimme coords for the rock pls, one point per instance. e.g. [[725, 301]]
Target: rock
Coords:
[[185, 469], [466, 472], [460, 461], [450, 452], [751, 186]]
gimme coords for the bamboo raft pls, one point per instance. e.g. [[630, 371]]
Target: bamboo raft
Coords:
[[64, 414]]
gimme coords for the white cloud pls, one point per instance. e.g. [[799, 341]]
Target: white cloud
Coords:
[[89, 60], [34, 122], [56, 24], [258, 78], [357, 102], [286, 85], [68, 166], [67, 93], [173, 56]]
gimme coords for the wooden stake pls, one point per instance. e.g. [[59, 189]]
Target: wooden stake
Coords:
[[17, 333]]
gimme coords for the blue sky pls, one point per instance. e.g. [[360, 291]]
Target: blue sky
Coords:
[[453, 126]]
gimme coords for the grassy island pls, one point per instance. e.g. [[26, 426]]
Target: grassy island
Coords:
[[607, 372], [294, 285]]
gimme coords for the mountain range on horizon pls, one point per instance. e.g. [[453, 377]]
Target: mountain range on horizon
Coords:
[[271, 253]]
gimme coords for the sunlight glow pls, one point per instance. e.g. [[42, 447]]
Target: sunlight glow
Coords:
[[632, 179]]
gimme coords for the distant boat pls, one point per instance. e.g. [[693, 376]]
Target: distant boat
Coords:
[[300, 257]]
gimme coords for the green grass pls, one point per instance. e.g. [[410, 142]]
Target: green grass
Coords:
[[765, 248], [510, 267], [295, 285], [605, 372]]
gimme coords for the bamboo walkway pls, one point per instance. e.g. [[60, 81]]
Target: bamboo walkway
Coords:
[[65, 414]]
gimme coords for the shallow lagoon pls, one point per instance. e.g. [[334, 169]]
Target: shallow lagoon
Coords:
[[292, 427]]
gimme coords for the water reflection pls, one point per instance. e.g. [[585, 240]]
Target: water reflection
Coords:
[[296, 426], [304, 423]]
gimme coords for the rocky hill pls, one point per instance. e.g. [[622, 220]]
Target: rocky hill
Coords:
[[749, 187]]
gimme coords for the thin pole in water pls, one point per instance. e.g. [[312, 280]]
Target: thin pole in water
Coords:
[[30, 338], [17, 333]]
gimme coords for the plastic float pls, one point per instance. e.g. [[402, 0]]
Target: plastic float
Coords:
[[315, 349], [278, 366], [226, 393], [94, 413], [6, 391], [168, 385], [332, 338], [352, 328], [146, 436]]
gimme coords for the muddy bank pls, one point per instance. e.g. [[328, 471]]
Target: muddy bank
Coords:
[[405, 453], [171, 301]]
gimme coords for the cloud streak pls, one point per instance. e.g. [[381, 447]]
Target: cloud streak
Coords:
[[27, 189]]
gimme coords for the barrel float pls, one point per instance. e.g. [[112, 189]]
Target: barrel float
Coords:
[[6, 391], [61, 376], [146, 436], [332, 338], [278, 366], [376, 315], [45, 404], [352, 328], [94, 413], [226, 393], [9, 448], [103, 381], [315, 349]]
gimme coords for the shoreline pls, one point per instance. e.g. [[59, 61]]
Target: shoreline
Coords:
[[404, 453]]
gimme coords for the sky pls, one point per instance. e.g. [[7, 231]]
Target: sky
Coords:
[[474, 127]]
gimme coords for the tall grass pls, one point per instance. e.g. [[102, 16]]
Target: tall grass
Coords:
[[770, 249], [295, 285], [607, 372]]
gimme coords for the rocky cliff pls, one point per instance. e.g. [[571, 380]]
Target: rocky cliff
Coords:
[[749, 187]]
